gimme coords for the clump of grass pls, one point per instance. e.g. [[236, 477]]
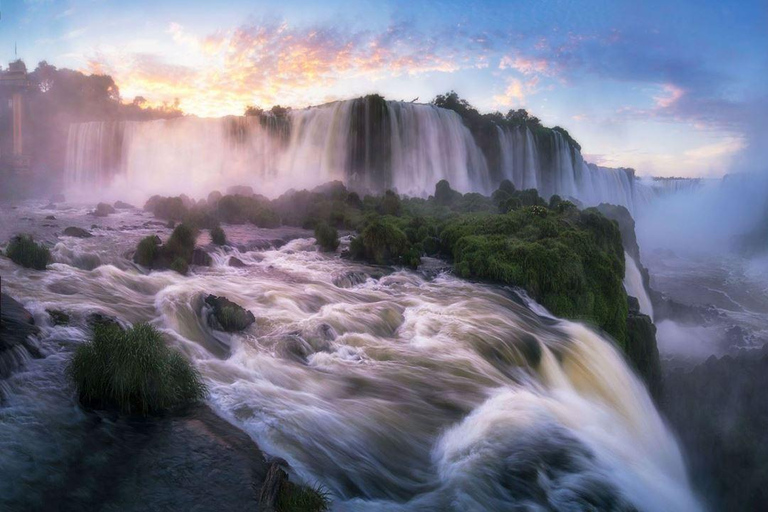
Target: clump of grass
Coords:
[[327, 237], [180, 266], [218, 236], [294, 498], [23, 251], [147, 250], [133, 371]]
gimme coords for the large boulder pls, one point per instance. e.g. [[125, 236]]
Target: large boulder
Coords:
[[225, 315], [102, 210], [201, 258], [77, 232]]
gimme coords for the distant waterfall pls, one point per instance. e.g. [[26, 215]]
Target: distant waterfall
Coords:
[[369, 143]]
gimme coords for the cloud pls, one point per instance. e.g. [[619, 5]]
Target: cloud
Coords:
[[274, 62]]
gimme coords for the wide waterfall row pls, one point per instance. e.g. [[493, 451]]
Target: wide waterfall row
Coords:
[[369, 143]]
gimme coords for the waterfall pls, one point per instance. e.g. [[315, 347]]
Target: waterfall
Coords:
[[369, 143], [633, 284]]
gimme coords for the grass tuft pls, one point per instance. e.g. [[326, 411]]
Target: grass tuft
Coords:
[[23, 251]]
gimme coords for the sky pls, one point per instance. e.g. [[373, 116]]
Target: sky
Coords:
[[669, 88]]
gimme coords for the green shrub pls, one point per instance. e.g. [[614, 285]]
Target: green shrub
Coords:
[[327, 237], [181, 244], [180, 266], [133, 371], [382, 242], [147, 251], [218, 236], [293, 498], [23, 251]]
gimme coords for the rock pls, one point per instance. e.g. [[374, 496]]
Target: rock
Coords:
[[99, 319], [642, 351], [201, 258], [49, 206], [16, 327], [77, 232], [270, 490], [236, 262], [227, 316], [633, 304], [58, 317], [50, 217], [124, 206], [241, 190], [102, 210], [350, 279]]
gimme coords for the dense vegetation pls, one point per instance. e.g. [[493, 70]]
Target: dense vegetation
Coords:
[[133, 371], [23, 251], [175, 254], [570, 261]]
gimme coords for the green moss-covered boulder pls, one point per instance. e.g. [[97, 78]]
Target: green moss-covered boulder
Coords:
[[327, 237], [23, 251], [225, 315]]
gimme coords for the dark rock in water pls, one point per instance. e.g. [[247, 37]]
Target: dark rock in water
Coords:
[[236, 262], [16, 327], [58, 317], [227, 316], [642, 351], [87, 261], [529, 347], [57, 198], [99, 319], [633, 304], [241, 190], [50, 217], [270, 491], [49, 206], [124, 206], [295, 348], [350, 279], [102, 210], [77, 232], [201, 258]]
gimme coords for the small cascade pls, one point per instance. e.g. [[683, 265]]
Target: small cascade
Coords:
[[633, 284]]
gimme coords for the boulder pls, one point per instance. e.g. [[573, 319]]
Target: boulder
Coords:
[[77, 232], [120, 205], [99, 319], [201, 258], [102, 210], [50, 217], [236, 262], [227, 316], [58, 317], [16, 327]]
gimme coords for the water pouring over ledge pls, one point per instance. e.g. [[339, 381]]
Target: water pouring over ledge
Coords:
[[369, 144], [396, 393]]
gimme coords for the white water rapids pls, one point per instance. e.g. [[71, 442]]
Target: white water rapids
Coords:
[[401, 392]]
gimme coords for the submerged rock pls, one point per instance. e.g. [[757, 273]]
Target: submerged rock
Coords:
[[236, 262], [16, 327], [95, 319], [58, 317], [350, 279], [77, 232], [50, 217], [227, 316]]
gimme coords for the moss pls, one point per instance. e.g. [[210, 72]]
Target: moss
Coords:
[[327, 237], [147, 251], [218, 236], [181, 244], [180, 266], [293, 498], [228, 316], [23, 251], [133, 371]]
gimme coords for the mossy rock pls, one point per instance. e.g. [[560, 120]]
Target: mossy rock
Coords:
[[23, 251], [58, 317], [77, 232], [102, 210], [228, 316]]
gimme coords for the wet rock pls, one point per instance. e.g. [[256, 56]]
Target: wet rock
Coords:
[[58, 317], [16, 327], [201, 258], [294, 347], [124, 206], [225, 315], [86, 261], [236, 262], [102, 210], [642, 351], [50, 217], [350, 279], [633, 305], [77, 232], [100, 319]]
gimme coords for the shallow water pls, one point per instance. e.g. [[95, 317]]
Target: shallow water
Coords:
[[397, 392]]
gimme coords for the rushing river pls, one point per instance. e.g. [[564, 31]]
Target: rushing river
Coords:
[[394, 389]]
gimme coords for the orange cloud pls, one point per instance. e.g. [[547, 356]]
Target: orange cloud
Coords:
[[273, 63]]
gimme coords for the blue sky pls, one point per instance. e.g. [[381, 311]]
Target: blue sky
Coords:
[[669, 88]]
